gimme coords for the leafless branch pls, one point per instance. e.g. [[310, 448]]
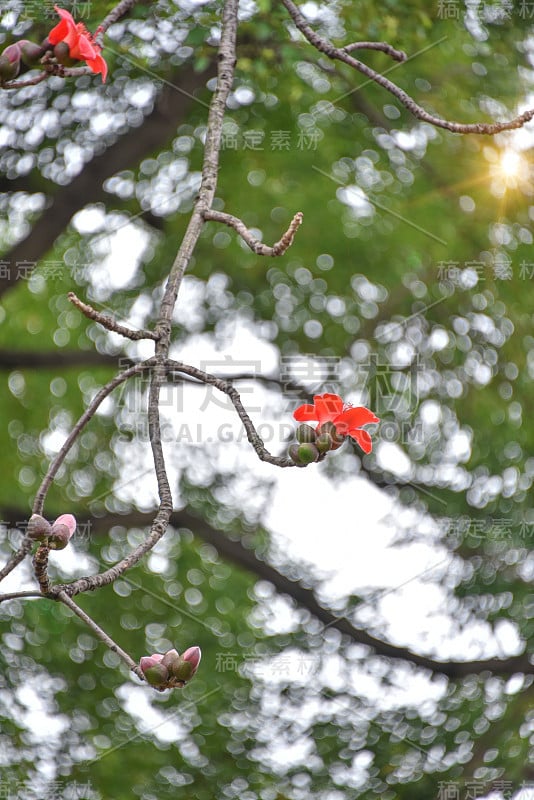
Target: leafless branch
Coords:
[[82, 422], [384, 47], [120, 10], [102, 635], [16, 558], [108, 322], [323, 45], [228, 389], [19, 595], [234, 551], [255, 245]]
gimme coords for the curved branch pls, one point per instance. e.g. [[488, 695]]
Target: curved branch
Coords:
[[120, 10], [341, 54], [234, 551], [82, 422], [18, 556], [225, 386], [255, 245], [20, 595], [384, 47]]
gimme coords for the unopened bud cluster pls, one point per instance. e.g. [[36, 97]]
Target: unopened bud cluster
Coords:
[[170, 670], [19, 57], [314, 443], [56, 536]]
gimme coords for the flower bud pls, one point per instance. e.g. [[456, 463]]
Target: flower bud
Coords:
[[62, 54], [308, 453], [61, 532], [170, 657], [185, 667], [154, 671], [324, 442], [10, 62], [305, 433], [31, 53], [193, 655], [293, 453], [38, 528], [336, 438]]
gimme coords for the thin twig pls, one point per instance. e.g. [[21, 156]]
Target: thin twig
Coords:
[[82, 422], [19, 595], [384, 47], [225, 386], [255, 245], [102, 635], [210, 166], [341, 54], [17, 557], [108, 322], [120, 10]]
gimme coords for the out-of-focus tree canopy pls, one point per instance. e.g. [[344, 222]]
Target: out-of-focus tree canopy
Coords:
[[410, 282]]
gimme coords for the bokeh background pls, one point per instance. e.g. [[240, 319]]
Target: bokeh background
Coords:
[[365, 623]]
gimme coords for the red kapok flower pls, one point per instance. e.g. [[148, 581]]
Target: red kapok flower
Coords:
[[80, 43], [348, 420]]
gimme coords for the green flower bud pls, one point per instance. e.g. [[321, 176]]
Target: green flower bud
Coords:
[[158, 675], [182, 670], [305, 433], [308, 453], [324, 442]]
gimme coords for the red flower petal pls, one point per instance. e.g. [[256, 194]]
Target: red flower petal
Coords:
[[363, 439], [327, 406], [58, 33], [305, 413], [63, 28], [82, 49], [98, 65], [356, 417]]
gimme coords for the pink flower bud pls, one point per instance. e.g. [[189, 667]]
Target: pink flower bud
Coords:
[[185, 667], [170, 657], [193, 656], [154, 671], [149, 661], [61, 532], [10, 62]]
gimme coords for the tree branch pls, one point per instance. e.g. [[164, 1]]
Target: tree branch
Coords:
[[108, 322], [341, 54], [255, 245], [101, 634], [245, 558], [82, 422], [228, 389]]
